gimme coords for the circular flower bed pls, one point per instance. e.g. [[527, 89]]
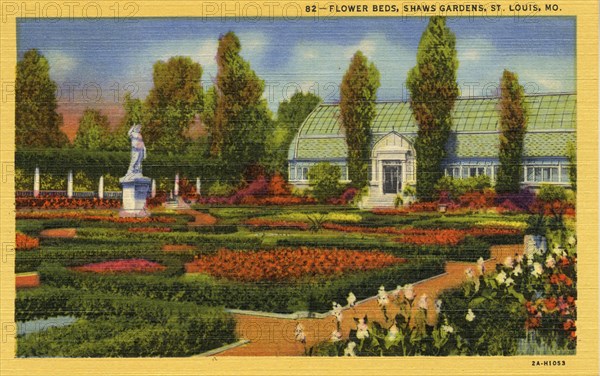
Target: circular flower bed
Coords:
[[122, 266], [288, 264]]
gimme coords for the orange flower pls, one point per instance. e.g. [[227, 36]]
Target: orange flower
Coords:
[[24, 242]]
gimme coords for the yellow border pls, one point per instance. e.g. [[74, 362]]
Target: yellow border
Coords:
[[584, 363]]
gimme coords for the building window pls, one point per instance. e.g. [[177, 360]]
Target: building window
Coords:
[[292, 172], [344, 169], [564, 174], [542, 174]]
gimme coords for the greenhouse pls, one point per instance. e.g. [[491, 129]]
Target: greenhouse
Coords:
[[471, 150]]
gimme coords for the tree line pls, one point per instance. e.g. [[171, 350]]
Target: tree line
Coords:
[[244, 136]]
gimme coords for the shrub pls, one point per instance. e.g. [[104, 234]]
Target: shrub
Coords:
[[458, 187], [219, 189], [324, 179], [82, 183], [278, 186], [50, 182], [550, 193], [111, 183], [23, 181], [514, 202]]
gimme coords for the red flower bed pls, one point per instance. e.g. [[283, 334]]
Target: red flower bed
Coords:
[[122, 266], [288, 264], [266, 223], [105, 218], [24, 242], [66, 203], [149, 229], [432, 237], [362, 229], [27, 280]]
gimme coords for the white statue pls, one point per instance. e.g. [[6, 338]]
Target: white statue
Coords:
[[138, 151]]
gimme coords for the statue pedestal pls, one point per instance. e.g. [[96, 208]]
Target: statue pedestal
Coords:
[[135, 191]]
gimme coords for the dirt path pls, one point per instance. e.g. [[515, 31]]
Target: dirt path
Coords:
[[275, 336], [200, 219], [59, 233]]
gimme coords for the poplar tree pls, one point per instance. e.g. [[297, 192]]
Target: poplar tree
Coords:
[[513, 125], [93, 132], [358, 94], [433, 92], [36, 118]]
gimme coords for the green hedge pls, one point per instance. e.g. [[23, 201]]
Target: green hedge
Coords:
[[272, 297], [120, 326]]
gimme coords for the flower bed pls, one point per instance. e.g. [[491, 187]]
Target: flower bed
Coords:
[[122, 266], [149, 229], [260, 223], [85, 217], [24, 242], [27, 280], [66, 203], [288, 264]]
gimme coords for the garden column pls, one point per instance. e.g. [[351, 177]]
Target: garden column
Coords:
[[176, 190], [198, 186], [70, 184], [36, 182], [153, 189], [101, 188]]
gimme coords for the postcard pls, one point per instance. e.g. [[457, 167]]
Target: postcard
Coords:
[[289, 187]]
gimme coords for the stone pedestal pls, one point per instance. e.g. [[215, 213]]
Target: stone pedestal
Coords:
[[135, 191]]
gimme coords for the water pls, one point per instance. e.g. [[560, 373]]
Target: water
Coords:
[[35, 326]]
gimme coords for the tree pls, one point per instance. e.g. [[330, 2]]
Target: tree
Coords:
[[358, 93], [290, 115], [572, 158], [241, 118], [513, 125], [135, 113], [36, 119], [433, 91], [324, 179], [93, 132], [172, 103]]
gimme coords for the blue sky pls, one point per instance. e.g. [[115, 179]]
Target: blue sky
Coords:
[[303, 54]]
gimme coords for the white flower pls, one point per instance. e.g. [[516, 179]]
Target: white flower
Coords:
[[519, 259], [448, 328], [409, 292], [558, 251], [470, 315], [393, 332], [538, 270], [423, 302], [480, 265], [351, 299], [349, 350], [335, 336], [501, 277], [438, 306], [572, 241], [550, 262], [509, 281], [299, 333], [529, 261], [517, 270], [508, 262], [337, 311], [397, 291], [469, 273], [382, 297], [362, 329]]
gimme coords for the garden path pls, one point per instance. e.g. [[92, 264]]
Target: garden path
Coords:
[[275, 336], [58, 233]]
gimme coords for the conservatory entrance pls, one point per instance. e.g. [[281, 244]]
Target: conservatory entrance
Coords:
[[392, 177]]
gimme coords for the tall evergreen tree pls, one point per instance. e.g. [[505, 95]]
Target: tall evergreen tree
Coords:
[[135, 113], [513, 125], [93, 132], [433, 91], [172, 103], [36, 118], [358, 93], [242, 120]]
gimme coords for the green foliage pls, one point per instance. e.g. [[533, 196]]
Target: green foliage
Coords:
[[458, 187], [82, 183], [241, 118], [433, 91], [50, 182], [37, 121], [550, 193], [572, 158], [358, 94], [290, 115], [324, 180], [23, 180], [513, 125], [172, 104], [135, 113], [115, 326], [93, 132], [111, 183], [220, 189], [398, 201]]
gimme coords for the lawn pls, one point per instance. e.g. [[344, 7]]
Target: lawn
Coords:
[[270, 259]]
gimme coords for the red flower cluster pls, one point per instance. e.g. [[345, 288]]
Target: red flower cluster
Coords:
[[266, 223], [149, 229], [432, 237], [84, 217], [24, 242], [66, 203], [478, 200], [27, 280], [122, 266], [288, 264]]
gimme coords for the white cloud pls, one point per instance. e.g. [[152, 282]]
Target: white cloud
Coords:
[[61, 63]]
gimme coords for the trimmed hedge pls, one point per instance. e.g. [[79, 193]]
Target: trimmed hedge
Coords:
[[120, 326], [315, 295]]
